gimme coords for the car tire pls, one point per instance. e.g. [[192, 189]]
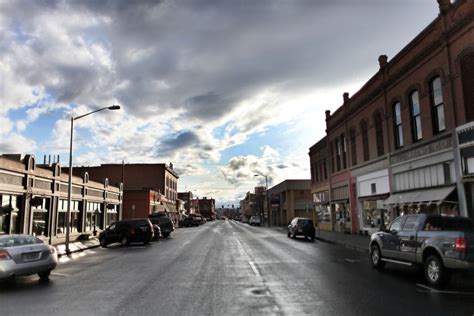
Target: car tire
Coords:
[[288, 234], [294, 235], [103, 243], [124, 241], [146, 242], [166, 235], [44, 276], [435, 272], [376, 257]]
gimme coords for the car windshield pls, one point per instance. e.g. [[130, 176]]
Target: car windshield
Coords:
[[18, 240]]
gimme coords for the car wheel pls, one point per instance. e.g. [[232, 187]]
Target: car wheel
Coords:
[[124, 241], [166, 235], [435, 273], [376, 257], [294, 235], [44, 276], [146, 242], [288, 234], [103, 243]]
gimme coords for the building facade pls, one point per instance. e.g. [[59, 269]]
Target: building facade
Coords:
[[290, 199], [207, 208], [34, 201], [398, 145]]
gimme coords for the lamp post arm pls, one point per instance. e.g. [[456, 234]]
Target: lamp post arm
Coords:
[[81, 116]]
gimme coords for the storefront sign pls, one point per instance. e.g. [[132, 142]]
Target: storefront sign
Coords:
[[423, 150]]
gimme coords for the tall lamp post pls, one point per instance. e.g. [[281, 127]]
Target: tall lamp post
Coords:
[[69, 191], [266, 196]]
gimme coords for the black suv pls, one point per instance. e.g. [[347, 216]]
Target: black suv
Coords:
[[301, 226], [127, 231], [161, 219]]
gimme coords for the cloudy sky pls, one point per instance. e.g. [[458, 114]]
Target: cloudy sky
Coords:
[[224, 89]]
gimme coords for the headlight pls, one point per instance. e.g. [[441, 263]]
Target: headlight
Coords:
[[52, 249]]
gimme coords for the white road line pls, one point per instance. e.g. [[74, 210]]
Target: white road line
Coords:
[[441, 291], [254, 268], [351, 260], [60, 274]]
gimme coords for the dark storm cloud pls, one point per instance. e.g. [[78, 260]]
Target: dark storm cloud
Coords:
[[205, 57], [176, 142], [282, 166]]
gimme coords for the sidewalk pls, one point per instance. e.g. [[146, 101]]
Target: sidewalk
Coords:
[[356, 242], [77, 246]]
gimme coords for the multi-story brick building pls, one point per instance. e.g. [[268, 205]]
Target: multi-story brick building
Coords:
[[318, 156], [156, 184], [34, 200], [187, 197], [207, 208], [392, 146]]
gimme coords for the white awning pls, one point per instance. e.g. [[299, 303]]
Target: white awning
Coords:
[[436, 195]]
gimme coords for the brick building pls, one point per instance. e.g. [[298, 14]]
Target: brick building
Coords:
[[207, 208], [34, 200], [393, 147], [318, 156], [148, 188]]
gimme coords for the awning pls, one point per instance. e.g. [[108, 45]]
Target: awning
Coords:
[[170, 207], [430, 196]]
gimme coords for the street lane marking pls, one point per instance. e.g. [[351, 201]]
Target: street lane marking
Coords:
[[442, 291], [60, 274], [351, 260], [254, 268]]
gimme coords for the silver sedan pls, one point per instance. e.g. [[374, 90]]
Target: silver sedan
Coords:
[[22, 255]]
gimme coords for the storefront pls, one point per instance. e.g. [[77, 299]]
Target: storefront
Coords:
[[93, 222], [372, 190], [323, 210], [41, 216], [9, 214], [61, 222], [340, 209], [465, 163]]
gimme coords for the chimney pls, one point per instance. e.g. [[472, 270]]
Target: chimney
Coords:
[[49, 159], [383, 61], [328, 114], [345, 97], [44, 161], [58, 159], [444, 6]]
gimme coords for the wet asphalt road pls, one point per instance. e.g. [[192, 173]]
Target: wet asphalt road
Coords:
[[230, 268]]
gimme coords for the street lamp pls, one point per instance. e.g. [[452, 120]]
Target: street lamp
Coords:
[[266, 196], [69, 192]]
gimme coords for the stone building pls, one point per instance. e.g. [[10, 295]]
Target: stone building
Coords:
[[289, 199]]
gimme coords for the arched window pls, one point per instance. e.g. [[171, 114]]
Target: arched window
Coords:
[[397, 124], [437, 105], [415, 114], [352, 139], [467, 75], [379, 133], [343, 151], [365, 139]]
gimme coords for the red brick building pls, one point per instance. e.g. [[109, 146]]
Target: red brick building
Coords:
[[207, 208], [392, 146]]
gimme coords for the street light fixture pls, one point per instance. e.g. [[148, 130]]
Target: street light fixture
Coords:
[[69, 192], [266, 196]]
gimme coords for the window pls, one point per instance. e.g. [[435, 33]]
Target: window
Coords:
[[325, 169], [352, 138], [437, 105], [379, 133], [410, 223], [344, 151], [397, 122], [333, 156], [365, 139], [338, 154], [397, 224], [467, 75], [415, 116]]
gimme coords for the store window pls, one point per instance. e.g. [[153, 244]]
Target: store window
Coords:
[[437, 104], [62, 217], [92, 216], [365, 139], [40, 208], [415, 112], [9, 217], [324, 214], [112, 213]]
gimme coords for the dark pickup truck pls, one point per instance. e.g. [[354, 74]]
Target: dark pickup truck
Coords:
[[161, 219], [439, 244]]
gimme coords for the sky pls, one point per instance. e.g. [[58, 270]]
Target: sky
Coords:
[[223, 89]]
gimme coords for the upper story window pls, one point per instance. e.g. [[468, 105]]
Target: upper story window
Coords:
[[397, 122], [437, 105], [415, 114], [467, 77], [365, 139], [338, 154], [333, 157], [325, 170], [352, 139], [379, 133], [344, 152]]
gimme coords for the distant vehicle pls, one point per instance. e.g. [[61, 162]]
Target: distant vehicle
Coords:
[[438, 243], [161, 219], [245, 220], [156, 232], [254, 221], [127, 231], [22, 255], [301, 226]]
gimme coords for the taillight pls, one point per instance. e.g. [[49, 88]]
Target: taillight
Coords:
[[4, 255], [460, 244]]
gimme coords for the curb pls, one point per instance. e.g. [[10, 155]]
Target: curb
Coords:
[[77, 247]]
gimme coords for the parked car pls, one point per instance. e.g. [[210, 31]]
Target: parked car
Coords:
[[301, 226], [156, 232], [127, 231], [437, 243], [254, 221], [22, 255], [189, 222], [245, 220], [166, 224]]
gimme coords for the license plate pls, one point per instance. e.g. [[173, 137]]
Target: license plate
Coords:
[[31, 256]]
